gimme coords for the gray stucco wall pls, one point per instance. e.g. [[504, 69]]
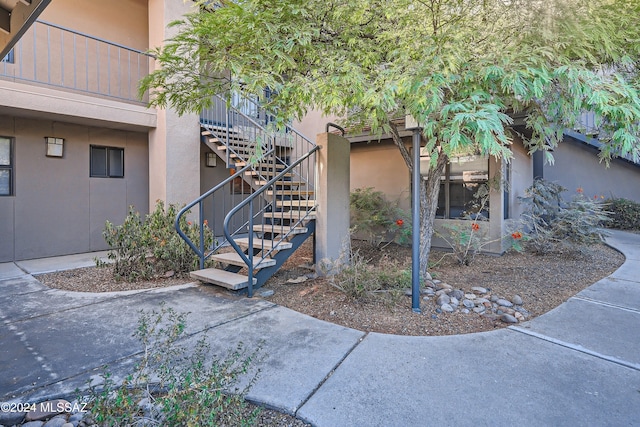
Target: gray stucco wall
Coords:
[[577, 166], [57, 208]]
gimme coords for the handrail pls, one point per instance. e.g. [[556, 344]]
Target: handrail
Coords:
[[340, 128], [186, 208], [249, 200], [98, 39], [70, 60], [243, 129]]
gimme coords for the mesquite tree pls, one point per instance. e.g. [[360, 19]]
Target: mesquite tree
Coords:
[[462, 68]]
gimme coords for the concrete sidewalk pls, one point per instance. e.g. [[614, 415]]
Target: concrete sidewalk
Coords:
[[576, 365]]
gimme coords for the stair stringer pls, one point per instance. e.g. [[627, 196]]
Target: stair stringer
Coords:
[[297, 240]]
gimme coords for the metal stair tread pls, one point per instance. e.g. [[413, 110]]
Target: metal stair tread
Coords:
[[266, 244], [234, 259], [267, 173], [291, 192], [226, 279], [208, 130], [290, 215], [278, 229], [283, 183], [295, 203]]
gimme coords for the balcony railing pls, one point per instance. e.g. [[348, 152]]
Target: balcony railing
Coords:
[[51, 55]]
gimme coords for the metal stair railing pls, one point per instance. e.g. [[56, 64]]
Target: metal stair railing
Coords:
[[218, 195], [263, 202], [270, 163]]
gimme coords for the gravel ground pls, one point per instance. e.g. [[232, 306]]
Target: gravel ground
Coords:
[[543, 282]]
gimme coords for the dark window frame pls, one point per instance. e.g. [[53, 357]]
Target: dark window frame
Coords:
[[10, 58], [444, 197], [10, 167], [94, 150]]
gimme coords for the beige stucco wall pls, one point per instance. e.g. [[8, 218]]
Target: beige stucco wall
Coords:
[[57, 208], [26, 100], [121, 21], [174, 145], [380, 165]]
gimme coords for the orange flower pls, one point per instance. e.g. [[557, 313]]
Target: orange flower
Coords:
[[579, 190], [516, 235], [205, 222], [399, 222], [188, 222], [475, 226]]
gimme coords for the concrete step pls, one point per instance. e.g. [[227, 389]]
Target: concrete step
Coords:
[[278, 229], [265, 244], [223, 278], [235, 259]]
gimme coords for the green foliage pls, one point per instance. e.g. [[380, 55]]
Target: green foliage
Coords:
[[624, 213], [373, 216], [457, 67], [174, 385], [363, 281], [147, 248], [553, 224], [461, 68], [467, 239]]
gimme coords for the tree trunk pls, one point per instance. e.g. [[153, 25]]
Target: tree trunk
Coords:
[[429, 191]]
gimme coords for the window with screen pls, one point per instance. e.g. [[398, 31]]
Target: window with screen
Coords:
[[106, 162]]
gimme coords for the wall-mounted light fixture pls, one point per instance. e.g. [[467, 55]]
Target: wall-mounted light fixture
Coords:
[[55, 146], [211, 160]]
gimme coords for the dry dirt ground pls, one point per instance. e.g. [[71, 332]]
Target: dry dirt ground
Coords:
[[543, 282]]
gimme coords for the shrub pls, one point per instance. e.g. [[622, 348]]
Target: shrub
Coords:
[[146, 248], [624, 213], [553, 224], [172, 384], [373, 216], [363, 281], [468, 239]]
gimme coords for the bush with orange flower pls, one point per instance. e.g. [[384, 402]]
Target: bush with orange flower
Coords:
[[378, 220], [469, 237]]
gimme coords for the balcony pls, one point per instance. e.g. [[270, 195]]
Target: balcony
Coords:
[[52, 56]]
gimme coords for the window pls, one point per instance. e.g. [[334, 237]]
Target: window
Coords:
[[106, 162], [458, 186], [239, 185], [6, 166], [9, 58]]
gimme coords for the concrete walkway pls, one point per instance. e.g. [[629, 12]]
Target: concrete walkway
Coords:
[[576, 365]]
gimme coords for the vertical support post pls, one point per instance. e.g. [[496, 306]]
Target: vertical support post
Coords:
[[333, 191], [250, 251], [415, 219]]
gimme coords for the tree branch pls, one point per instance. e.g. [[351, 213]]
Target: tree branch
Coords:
[[397, 140]]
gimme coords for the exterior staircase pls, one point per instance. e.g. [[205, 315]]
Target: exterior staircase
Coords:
[[264, 210]]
